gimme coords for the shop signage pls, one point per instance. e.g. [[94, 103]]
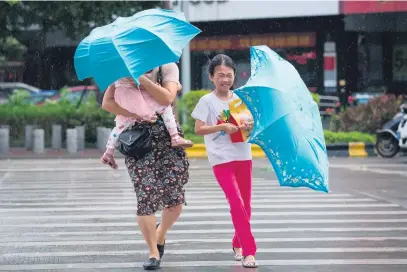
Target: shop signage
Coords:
[[236, 42], [372, 6]]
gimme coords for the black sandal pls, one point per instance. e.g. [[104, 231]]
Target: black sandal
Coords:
[[152, 264], [160, 247]]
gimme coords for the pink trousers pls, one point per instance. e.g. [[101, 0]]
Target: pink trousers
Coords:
[[235, 179]]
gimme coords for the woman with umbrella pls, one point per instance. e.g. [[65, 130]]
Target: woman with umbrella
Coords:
[[129, 47], [160, 175]]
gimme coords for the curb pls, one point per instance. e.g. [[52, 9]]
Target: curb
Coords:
[[356, 149], [353, 149], [199, 151]]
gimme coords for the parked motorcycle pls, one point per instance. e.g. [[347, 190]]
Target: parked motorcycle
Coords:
[[402, 133], [389, 141]]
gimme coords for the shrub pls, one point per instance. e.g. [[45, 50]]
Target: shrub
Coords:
[[316, 97], [187, 105], [330, 137], [367, 117], [347, 137]]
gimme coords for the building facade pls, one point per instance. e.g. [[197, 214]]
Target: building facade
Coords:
[[361, 44], [377, 45], [298, 34]]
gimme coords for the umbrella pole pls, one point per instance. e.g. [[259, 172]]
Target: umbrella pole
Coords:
[[82, 96]]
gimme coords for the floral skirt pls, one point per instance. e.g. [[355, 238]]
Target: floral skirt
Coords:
[[159, 177]]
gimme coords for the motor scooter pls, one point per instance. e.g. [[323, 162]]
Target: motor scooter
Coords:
[[402, 133], [389, 139]]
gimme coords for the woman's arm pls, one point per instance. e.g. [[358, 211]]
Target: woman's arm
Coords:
[[164, 95], [110, 105]]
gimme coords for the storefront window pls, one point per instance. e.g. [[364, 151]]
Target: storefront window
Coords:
[[297, 48], [400, 60], [303, 59], [370, 60]]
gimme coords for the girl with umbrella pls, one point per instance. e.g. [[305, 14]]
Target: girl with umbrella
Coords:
[[231, 162]]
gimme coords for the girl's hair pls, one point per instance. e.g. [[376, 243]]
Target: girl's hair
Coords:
[[218, 60]]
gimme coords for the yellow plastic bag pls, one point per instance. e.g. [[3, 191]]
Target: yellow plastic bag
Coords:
[[239, 113]]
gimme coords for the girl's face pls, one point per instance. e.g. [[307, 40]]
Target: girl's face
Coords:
[[223, 78]]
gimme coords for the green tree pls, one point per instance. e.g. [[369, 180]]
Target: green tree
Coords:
[[76, 18]]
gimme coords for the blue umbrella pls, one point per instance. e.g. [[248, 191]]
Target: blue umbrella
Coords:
[[287, 123], [131, 46]]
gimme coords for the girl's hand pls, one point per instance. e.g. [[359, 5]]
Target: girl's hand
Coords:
[[247, 125], [229, 128]]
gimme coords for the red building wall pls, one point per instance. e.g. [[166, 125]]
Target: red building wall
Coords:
[[374, 6]]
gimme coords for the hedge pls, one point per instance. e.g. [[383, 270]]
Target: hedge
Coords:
[[187, 105], [330, 137], [189, 101], [17, 114]]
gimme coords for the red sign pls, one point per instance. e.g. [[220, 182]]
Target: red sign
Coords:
[[329, 63], [303, 58], [377, 6], [285, 40]]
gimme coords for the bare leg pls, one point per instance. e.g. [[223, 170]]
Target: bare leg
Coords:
[[168, 218], [171, 125], [148, 229]]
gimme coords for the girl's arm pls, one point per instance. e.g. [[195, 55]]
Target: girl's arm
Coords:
[[110, 105], [202, 129]]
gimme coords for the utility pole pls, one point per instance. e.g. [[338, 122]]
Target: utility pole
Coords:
[[186, 58], [167, 4], [182, 6], [185, 63]]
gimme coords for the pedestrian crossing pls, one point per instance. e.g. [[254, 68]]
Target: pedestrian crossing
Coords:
[[84, 220]]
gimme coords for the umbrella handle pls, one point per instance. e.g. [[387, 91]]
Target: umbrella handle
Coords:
[[220, 134]]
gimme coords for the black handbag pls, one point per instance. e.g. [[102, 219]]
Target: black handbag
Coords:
[[136, 142]]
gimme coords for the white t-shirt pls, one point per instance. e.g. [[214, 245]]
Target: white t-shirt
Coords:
[[221, 150]]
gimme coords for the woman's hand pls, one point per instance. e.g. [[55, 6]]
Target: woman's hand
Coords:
[[229, 128], [144, 80], [165, 94], [152, 119], [109, 104], [146, 118]]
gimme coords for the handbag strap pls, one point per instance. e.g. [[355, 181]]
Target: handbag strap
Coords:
[[160, 76]]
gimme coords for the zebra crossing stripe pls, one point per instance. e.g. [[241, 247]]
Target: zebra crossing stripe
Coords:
[[72, 242], [290, 262]]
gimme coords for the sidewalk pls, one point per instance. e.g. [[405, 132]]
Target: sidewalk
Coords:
[[198, 151], [22, 153], [54, 156]]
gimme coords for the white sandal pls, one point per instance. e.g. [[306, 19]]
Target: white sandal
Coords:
[[251, 264], [238, 257], [178, 141]]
